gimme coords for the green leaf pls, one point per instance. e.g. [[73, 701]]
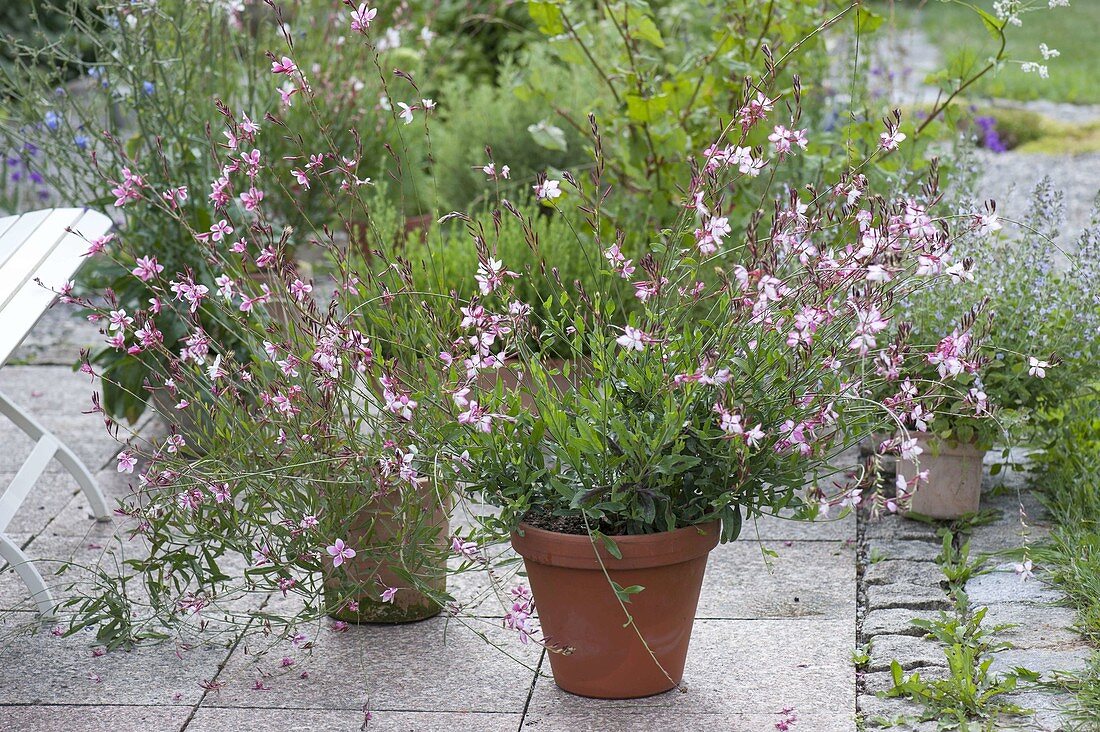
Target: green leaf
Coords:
[[646, 30], [643, 109], [548, 136], [989, 21], [547, 16], [868, 21], [638, 25], [624, 593], [608, 544]]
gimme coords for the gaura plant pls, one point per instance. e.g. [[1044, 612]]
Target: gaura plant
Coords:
[[755, 360]]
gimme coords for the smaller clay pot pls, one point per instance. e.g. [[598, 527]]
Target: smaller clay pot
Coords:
[[363, 578], [513, 380], [954, 486], [582, 619]]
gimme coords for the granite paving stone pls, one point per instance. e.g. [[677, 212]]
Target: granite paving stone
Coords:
[[906, 595], [807, 578], [434, 665], [215, 719], [909, 651], [68, 671], [891, 571], [92, 718], [910, 550], [740, 667], [582, 719], [895, 621]]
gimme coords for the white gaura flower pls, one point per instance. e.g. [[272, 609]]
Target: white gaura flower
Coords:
[[633, 339], [1037, 368]]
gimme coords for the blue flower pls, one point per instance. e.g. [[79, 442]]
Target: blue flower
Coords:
[[81, 142], [52, 120], [148, 87]]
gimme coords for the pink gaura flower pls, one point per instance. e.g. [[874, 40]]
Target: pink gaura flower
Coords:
[[251, 198], [476, 416], [1023, 570], [891, 139], [785, 140], [221, 492], [1037, 368], [97, 245], [491, 171], [119, 320], [300, 290], [283, 66], [339, 551], [126, 462], [388, 594], [362, 17], [220, 230], [490, 275], [147, 268]]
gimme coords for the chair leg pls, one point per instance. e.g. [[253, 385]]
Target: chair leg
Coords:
[[64, 455], [83, 476], [30, 575]]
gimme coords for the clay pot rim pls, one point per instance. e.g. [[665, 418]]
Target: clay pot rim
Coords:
[[639, 551]]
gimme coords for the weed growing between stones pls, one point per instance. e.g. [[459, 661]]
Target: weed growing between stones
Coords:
[[970, 696]]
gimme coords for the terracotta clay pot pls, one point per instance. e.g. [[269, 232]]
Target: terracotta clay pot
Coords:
[[513, 380], [954, 486], [580, 614], [373, 568]]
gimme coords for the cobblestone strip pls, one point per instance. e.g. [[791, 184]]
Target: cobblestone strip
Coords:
[[900, 580]]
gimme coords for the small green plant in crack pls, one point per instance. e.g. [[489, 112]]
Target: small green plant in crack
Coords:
[[970, 697], [956, 565], [861, 657]]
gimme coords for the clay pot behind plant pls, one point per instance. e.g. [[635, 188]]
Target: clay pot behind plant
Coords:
[[954, 486], [374, 566], [359, 232], [513, 380], [583, 620]]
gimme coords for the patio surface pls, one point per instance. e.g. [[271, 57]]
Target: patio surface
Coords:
[[772, 642]]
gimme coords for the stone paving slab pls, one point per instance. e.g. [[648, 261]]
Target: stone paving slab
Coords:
[[913, 653], [429, 666], [89, 718], [209, 719], [66, 671], [50, 390], [741, 667], [675, 720], [808, 578]]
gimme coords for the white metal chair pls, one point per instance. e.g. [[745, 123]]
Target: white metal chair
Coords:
[[39, 251]]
